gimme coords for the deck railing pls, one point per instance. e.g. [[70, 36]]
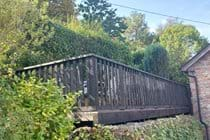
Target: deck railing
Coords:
[[106, 84]]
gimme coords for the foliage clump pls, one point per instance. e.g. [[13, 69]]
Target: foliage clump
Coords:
[[101, 11], [67, 43], [94, 133], [32, 109], [156, 60], [181, 42], [179, 128]]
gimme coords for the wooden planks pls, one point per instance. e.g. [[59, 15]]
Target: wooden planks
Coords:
[[108, 85], [128, 115], [128, 88]]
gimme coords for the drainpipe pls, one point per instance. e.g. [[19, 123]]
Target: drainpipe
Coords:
[[198, 100]]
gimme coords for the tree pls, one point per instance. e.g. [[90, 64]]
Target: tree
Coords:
[[59, 10], [62, 10], [181, 41], [100, 11], [11, 14], [138, 57], [22, 28], [169, 22], [137, 33], [156, 60], [31, 38], [162, 27]]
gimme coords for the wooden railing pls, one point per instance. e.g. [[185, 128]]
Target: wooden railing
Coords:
[[106, 84]]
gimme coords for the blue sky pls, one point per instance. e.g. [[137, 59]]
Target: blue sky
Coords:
[[191, 9]]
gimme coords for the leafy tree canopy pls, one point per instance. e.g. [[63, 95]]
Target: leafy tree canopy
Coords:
[[32, 38], [181, 41], [27, 29], [138, 57], [100, 11], [137, 34], [156, 60], [168, 23], [62, 10]]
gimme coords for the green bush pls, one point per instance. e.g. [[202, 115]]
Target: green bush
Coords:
[[156, 60], [179, 128], [94, 133], [31, 109], [138, 57]]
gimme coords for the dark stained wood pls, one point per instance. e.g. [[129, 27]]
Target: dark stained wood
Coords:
[[109, 85], [119, 116]]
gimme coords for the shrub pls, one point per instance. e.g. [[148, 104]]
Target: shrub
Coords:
[[94, 133], [31, 109], [156, 60], [179, 128], [138, 57]]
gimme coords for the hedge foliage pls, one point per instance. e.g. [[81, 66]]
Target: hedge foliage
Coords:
[[179, 128], [64, 42], [31, 109]]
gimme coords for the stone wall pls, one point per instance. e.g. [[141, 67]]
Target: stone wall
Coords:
[[202, 72]]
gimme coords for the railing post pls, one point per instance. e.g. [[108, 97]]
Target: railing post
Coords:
[[92, 82]]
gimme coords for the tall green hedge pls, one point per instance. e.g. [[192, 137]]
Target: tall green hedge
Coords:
[[67, 43]]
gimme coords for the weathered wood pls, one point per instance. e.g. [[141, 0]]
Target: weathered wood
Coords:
[[119, 116], [109, 85], [93, 82]]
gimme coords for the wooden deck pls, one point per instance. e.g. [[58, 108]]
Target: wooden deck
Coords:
[[128, 115], [113, 92]]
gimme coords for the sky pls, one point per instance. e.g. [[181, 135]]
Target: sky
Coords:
[[190, 9]]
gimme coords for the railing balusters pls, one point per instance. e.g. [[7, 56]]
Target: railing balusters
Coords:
[[106, 84]]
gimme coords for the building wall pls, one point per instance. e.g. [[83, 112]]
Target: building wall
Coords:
[[202, 72]]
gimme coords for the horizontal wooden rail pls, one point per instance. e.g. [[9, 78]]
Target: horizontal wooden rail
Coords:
[[110, 85]]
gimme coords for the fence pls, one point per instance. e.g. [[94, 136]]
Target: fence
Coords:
[[108, 85]]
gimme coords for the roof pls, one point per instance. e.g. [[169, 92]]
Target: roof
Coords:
[[185, 67]]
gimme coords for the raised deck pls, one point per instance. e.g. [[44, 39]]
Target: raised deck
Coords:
[[128, 115], [113, 92]]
